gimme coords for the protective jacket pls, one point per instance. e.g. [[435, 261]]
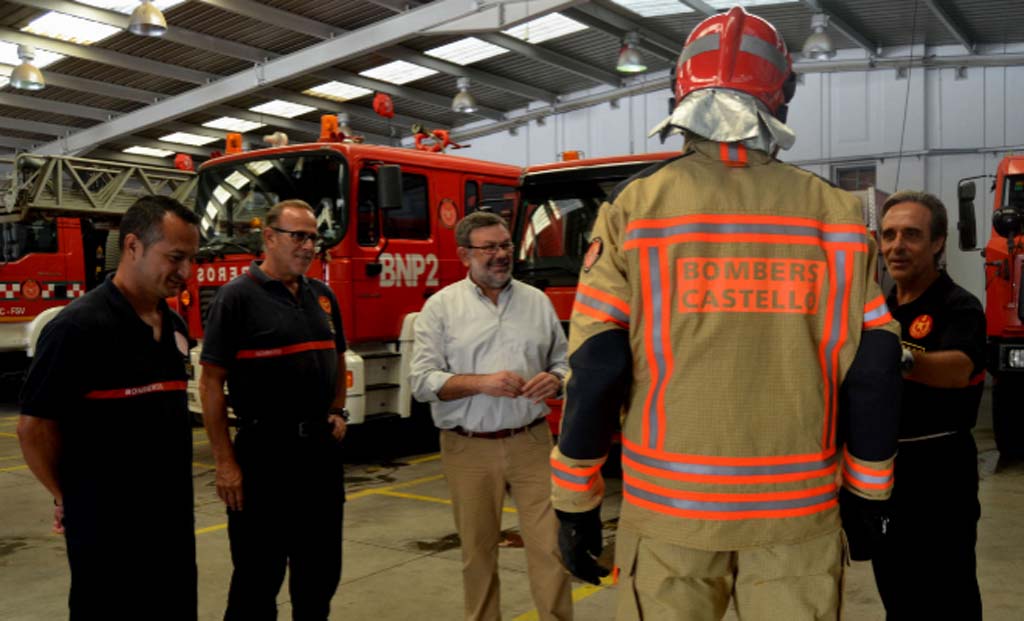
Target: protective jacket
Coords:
[[723, 302]]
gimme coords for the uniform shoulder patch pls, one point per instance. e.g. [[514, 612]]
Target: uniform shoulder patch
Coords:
[[325, 304], [921, 326], [593, 253]]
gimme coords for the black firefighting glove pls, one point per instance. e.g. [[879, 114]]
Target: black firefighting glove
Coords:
[[866, 523], [579, 539]]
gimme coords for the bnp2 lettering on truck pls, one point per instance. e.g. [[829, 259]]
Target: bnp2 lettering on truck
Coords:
[[386, 217], [58, 237]]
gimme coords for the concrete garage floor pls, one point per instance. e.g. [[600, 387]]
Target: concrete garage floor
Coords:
[[401, 553]]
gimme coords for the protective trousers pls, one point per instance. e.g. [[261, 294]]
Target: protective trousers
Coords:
[[479, 471], [927, 567], [293, 502], [661, 581]]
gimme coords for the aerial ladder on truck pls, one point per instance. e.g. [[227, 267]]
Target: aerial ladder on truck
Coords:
[[58, 236]]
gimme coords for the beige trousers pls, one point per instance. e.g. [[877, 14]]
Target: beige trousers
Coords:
[[478, 472], [661, 581]]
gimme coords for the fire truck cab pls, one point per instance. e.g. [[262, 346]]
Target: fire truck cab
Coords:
[[386, 217], [58, 237]]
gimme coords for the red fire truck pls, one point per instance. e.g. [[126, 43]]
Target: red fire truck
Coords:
[[387, 218], [1004, 297], [58, 237]]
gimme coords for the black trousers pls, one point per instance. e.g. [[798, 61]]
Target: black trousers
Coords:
[[293, 503], [926, 567], [130, 562]]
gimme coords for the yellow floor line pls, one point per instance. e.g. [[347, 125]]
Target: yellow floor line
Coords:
[[13, 468], [10, 457], [445, 501], [580, 592], [202, 465], [424, 459], [210, 529], [4, 434]]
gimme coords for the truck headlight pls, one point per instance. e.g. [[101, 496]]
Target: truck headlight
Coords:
[[1015, 358]]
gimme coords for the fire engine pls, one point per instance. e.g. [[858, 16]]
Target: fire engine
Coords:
[[58, 219], [1004, 304], [386, 216]]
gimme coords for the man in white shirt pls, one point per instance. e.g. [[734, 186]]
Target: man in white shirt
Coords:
[[489, 352]]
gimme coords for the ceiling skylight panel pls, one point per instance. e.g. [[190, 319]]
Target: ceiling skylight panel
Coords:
[[398, 72], [127, 6], [545, 28], [186, 138], [231, 124], [65, 27], [466, 51], [654, 8], [337, 91], [728, 4], [9, 55], [148, 151], [280, 107]]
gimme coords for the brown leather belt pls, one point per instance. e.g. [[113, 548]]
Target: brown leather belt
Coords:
[[499, 434]]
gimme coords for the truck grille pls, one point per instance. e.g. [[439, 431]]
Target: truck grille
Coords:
[[205, 298]]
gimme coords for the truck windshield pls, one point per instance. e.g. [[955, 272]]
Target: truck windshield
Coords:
[[233, 198], [1013, 188], [557, 217]]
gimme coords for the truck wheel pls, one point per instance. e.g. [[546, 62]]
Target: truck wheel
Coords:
[[1008, 415]]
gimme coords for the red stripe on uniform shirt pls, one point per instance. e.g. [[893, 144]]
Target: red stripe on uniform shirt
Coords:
[[136, 391], [274, 352]]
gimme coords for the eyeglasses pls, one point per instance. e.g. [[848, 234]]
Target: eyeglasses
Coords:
[[299, 237], [492, 249]]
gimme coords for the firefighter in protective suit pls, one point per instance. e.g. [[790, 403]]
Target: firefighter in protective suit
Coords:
[[728, 304]]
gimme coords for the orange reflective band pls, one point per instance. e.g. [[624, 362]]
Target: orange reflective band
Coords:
[[733, 154], [574, 479], [601, 306], [137, 391], [736, 238], [865, 482], [729, 479], [728, 461], [729, 497], [607, 298], [857, 465], [586, 471], [248, 354], [745, 219], [876, 313], [743, 228], [753, 514]]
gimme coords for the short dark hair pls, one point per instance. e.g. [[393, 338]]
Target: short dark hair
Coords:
[[940, 219], [474, 221], [145, 218], [275, 212]]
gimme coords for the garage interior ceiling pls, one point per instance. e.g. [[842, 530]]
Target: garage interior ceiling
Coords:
[[277, 65]]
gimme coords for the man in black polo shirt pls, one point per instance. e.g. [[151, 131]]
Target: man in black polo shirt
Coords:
[[276, 338], [105, 426], [926, 566]]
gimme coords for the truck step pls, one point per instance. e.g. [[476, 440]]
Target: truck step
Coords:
[[380, 354], [373, 387]]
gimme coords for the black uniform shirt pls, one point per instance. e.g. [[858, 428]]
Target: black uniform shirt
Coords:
[[119, 397], [945, 317], [280, 351]]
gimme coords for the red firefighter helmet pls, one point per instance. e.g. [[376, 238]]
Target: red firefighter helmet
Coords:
[[738, 51]]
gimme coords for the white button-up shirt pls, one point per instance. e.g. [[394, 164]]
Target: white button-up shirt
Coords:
[[461, 332]]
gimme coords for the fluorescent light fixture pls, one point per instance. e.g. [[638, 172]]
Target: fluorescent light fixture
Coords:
[[280, 107], [148, 151], [9, 56], [259, 167], [398, 72], [127, 6], [186, 138], [237, 180], [65, 27], [466, 51], [231, 124], [551, 26], [728, 4], [654, 8], [337, 91]]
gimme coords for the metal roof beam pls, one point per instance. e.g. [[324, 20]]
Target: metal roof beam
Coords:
[[50, 106], [836, 23], [703, 8], [38, 127], [953, 26], [22, 144], [205, 42], [109, 57], [313, 28], [312, 58], [610, 22]]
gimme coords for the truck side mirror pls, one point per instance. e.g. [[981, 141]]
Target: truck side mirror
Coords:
[[966, 226], [389, 186]]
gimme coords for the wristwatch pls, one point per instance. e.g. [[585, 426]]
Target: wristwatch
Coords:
[[906, 360], [342, 412]]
